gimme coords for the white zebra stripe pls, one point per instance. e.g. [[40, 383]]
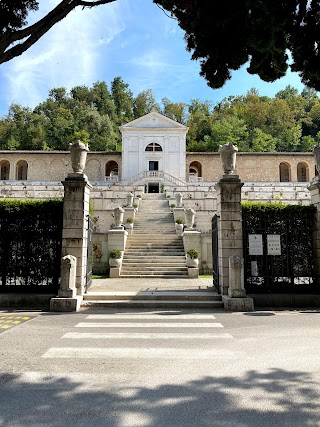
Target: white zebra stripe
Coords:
[[127, 335], [147, 325], [151, 316], [134, 353]]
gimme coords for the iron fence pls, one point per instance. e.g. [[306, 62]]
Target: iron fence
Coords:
[[278, 252]]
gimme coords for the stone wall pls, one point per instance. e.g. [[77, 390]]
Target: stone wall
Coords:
[[257, 167]]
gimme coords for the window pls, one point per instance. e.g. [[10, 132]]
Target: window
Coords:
[[153, 147], [153, 166], [22, 170], [4, 170], [285, 173], [302, 172]]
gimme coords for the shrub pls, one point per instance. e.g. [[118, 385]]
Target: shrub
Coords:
[[134, 205], [139, 196], [179, 221], [193, 253], [172, 205], [115, 253], [130, 220]]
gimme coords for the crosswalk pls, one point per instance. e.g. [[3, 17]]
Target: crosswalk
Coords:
[[151, 335]]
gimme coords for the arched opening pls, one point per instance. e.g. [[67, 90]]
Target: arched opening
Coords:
[[112, 171], [153, 146], [285, 172], [195, 171], [4, 170], [22, 170], [302, 172]]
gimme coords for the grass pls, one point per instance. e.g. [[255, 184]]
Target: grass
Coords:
[[205, 276], [100, 276]]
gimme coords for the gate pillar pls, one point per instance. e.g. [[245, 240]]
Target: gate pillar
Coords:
[[314, 189], [75, 224], [230, 238]]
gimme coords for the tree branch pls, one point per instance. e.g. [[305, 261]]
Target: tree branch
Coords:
[[34, 32]]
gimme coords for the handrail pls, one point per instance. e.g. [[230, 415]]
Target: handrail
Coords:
[[151, 174]]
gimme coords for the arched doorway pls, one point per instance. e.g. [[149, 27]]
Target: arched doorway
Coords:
[[112, 171], [302, 172], [195, 171], [285, 172], [4, 170], [22, 170]]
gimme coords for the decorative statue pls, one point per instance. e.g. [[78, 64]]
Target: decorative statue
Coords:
[[179, 197], [316, 153], [129, 199], [78, 156], [228, 154]]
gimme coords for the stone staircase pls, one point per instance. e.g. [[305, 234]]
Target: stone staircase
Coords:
[[154, 249], [153, 299]]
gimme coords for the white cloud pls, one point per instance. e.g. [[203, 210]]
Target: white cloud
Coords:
[[66, 56]]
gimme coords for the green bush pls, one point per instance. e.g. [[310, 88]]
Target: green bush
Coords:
[[193, 253], [130, 220], [115, 253], [135, 205], [179, 221], [172, 205]]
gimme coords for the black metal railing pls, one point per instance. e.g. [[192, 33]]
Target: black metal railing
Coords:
[[288, 267], [215, 259], [30, 249]]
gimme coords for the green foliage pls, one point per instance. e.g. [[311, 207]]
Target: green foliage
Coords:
[[193, 253], [130, 220], [172, 205], [116, 254], [134, 205], [179, 221], [252, 207]]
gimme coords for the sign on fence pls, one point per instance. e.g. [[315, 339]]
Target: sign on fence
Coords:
[[255, 244], [273, 244]]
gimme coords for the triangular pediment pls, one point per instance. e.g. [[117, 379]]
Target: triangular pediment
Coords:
[[154, 120]]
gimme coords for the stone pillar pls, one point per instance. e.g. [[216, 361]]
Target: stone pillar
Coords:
[[192, 240], [314, 189], [117, 239], [230, 239], [75, 224], [67, 299]]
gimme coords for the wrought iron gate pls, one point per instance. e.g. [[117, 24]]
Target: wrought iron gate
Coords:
[[278, 253], [89, 254], [215, 260]]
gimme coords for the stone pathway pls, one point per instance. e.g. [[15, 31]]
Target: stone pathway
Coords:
[[147, 284]]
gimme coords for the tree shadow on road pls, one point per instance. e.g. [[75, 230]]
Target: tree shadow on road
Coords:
[[276, 397]]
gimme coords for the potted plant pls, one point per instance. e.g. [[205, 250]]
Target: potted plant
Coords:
[[193, 257], [179, 224], [115, 258], [130, 222], [172, 206]]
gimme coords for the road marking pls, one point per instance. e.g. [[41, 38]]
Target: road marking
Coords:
[[134, 353], [147, 325], [128, 335], [8, 322], [150, 316]]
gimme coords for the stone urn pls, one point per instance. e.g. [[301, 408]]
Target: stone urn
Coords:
[[179, 197], [189, 215], [129, 199], [118, 217], [228, 154], [79, 153]]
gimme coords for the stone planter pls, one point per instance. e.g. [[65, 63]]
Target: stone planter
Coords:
[[192, 262], [179, 227], [115, 262]]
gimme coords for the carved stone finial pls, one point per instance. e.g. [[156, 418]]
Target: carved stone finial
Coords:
[[79, 152], [228, 154], [316, 153]]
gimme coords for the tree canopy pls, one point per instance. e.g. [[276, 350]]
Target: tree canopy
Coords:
[[223, 36], [288, 122]]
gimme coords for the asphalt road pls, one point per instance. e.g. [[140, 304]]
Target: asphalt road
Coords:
[[119, 368]]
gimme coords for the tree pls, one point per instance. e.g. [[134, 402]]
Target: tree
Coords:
[[223, 36]]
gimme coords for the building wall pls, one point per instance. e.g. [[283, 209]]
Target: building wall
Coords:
[[260, 167], [251, 167]]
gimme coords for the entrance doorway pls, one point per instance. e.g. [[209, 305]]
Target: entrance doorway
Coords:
[[153, 187], [153, 165]]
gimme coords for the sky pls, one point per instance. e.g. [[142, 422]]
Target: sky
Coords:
[[132, 39]]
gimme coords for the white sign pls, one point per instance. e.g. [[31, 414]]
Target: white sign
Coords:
[[255, 244], [273, 244]]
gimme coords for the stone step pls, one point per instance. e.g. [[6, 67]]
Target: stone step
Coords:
[[152, 254], [153, 299], [155, 274], [153, 267]]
